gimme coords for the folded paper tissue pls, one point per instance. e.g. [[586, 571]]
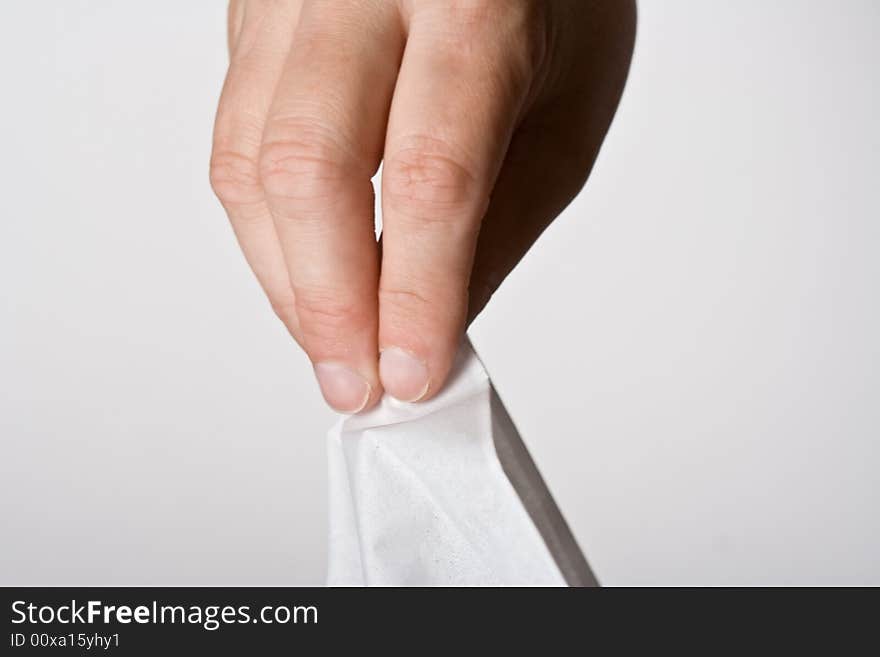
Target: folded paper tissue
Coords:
[[444, 493]]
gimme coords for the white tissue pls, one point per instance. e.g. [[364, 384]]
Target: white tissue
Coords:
[[420, 497]]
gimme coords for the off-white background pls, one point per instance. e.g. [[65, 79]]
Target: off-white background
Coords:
[[691, 352]]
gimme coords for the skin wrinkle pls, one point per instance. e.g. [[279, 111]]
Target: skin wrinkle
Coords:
[[489, 115]]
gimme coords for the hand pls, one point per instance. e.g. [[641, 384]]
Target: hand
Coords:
[[487, 114]]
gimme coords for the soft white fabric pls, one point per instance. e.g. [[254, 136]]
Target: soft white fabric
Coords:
[[418, 496]]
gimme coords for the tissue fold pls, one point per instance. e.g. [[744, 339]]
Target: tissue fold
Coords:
[[443, 493]]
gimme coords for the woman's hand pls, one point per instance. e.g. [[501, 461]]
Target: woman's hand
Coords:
[[487, 114]]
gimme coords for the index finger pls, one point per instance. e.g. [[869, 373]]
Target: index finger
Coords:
[[321, 146]]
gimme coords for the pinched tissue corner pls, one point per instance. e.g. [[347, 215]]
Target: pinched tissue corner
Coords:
[[419, 496]]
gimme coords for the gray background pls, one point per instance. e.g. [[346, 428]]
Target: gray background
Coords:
[[690, 352]]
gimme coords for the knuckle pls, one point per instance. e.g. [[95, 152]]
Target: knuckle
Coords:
[[512, 26], [427, 179], [302, 163], [328, 314], [505, 42], [476, 12], [415, 305], [530, 31], [410, 300], [285, 309], [234, 177]]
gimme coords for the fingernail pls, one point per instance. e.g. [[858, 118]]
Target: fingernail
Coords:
[[404, 376], [343, 388]]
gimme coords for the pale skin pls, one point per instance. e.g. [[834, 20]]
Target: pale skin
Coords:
[[486, 115]]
